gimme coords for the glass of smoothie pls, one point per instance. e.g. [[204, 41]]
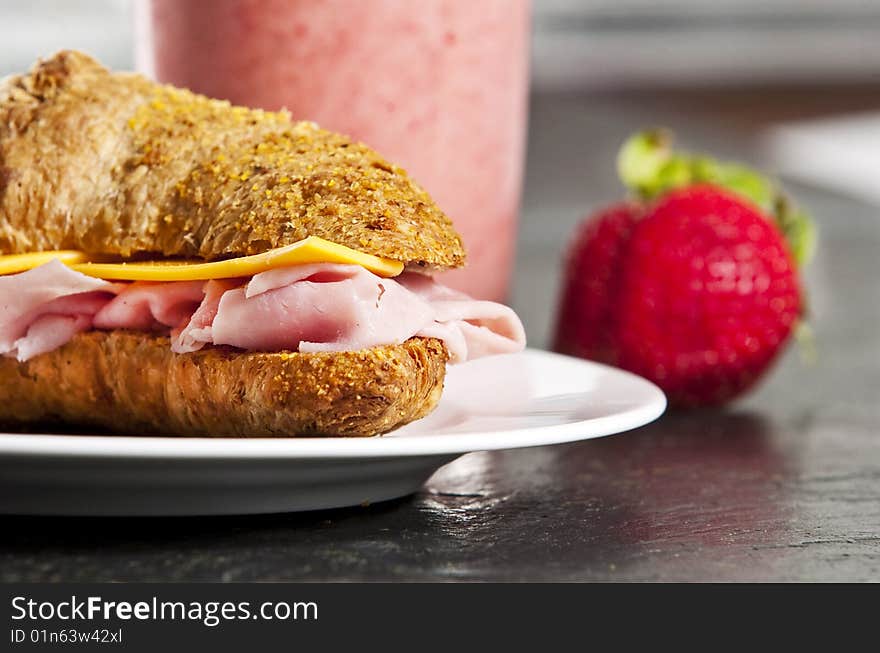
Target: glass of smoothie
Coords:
[[437, 86]]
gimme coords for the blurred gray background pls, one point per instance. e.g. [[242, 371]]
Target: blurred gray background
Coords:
[[578, 43], [732, 76]]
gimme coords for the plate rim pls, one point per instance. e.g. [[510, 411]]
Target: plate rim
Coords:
[[33, 445]]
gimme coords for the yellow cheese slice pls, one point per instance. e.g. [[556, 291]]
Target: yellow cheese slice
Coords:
[[15, 263], [310, 250]]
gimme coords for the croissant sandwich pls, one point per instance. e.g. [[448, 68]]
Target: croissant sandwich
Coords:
[[171, 264]]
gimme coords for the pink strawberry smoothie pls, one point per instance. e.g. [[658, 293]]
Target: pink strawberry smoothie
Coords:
[[438, 86]]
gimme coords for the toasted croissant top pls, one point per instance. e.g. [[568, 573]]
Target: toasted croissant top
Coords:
[[112, 163]]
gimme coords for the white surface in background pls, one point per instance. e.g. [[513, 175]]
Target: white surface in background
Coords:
[[37, 28], [840, 154]]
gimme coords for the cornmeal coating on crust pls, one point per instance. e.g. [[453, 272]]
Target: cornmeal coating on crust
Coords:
[[132, 382], [112, 163]]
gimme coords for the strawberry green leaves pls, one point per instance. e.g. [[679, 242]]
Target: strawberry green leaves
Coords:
[[798, 229], [649, 166]]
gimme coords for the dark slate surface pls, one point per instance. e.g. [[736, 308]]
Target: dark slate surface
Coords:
[[784, 485]]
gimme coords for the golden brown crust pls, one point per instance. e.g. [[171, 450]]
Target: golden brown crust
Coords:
[[112, 163], [132, 383]]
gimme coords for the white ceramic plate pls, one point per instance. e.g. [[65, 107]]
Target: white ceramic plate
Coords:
[[501, 402]]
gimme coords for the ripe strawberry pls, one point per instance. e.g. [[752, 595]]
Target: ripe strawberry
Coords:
[[593, 273], [695, 285]]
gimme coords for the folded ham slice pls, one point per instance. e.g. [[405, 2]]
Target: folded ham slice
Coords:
[[43, 308], [335, 307], [470, 328], [151, 306], [307, 308], [316, 307], [197, 330]]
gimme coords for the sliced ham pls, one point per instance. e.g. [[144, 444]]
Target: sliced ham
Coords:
[[197, 331], [43, 308], [309, 308], [315, 307], [152, 306], [334, 307], [49, 332], [470, 328]]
